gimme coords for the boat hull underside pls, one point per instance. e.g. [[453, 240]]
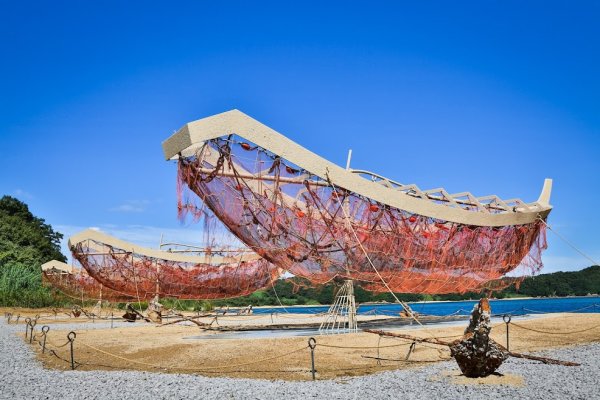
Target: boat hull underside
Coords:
[[141, 276], [318, 231], [82, 286]]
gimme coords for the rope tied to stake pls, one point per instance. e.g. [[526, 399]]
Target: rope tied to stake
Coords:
[[553, 332]]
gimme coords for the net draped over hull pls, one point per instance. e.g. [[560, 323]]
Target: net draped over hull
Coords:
[[82, 286], [143, 273], [317, 230]]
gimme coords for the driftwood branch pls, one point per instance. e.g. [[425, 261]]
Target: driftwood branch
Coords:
[[408, 337], [185, 319], [139, 314], [544, 360]]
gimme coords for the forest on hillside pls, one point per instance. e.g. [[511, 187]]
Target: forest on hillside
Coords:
[[297, 292], [26, 242]]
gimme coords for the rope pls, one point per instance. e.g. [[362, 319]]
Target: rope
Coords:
[[404, 305], [60, 358], [53, 351], [362, 347], [302, 316], [277, 296], [553, 332], [569, 243], [380, 366], [233, 317], [554, 312], [55, 345], [215, 369], [193, 369]]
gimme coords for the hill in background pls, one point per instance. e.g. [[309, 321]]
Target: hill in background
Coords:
[[295, 291]]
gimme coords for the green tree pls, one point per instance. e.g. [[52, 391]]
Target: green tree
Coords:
[[26, 242]]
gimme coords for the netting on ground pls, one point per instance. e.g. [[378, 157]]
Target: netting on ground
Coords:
[[81, 286], [315, 230], [142, 276]]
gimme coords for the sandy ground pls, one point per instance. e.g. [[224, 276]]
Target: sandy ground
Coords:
[[147, 347], [52, 316], [24, 377]]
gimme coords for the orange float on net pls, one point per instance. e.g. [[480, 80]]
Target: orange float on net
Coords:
[[373, 208], [299, 214], [246, 146], [441, 226], [413, 218], [363, 234]]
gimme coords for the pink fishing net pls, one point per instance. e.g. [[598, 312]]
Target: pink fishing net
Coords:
[[315, 230]]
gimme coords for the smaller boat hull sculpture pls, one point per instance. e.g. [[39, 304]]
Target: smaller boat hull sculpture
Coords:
[[77, 284], [144, 273], [320, 221]]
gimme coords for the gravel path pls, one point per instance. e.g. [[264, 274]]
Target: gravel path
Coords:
[[22, 377]]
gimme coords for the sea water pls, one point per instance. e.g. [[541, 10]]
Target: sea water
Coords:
[[588, 304]]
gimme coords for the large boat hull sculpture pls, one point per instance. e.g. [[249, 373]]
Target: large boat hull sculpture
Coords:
[[319, 221], [144, 273]]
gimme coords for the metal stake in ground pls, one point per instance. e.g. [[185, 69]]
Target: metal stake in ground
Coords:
[[312, 343], [410, 349], [32, 324], [27, 321], [506, 318], [45, 330], [71, 338]]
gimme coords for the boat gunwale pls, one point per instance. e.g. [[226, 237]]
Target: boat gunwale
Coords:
[[235, 122]]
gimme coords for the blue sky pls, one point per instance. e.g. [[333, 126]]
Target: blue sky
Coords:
[[489, 97]]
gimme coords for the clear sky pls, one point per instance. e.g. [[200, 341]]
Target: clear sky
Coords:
[[488, 96]]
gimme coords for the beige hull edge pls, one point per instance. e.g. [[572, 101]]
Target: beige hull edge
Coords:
[[213, 259], [58, 267], [410, 198]]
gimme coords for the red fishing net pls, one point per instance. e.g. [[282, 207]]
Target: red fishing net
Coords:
[[142, 276], [315, 230], [80, 286]]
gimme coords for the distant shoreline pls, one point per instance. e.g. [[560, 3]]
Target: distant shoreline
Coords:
[[424, 302]]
